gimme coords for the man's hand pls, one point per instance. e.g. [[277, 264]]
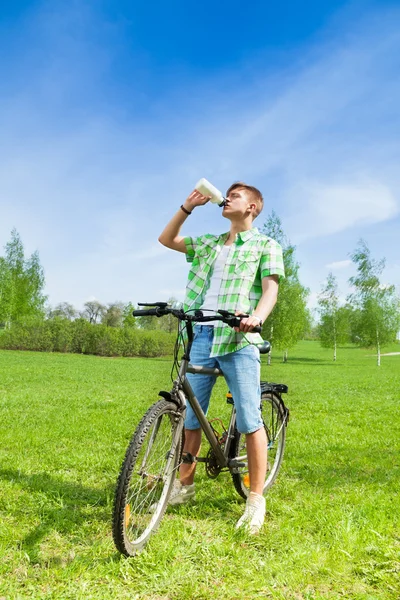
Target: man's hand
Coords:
[[246, 325], [264, 307], [170, 236], [195, 199]]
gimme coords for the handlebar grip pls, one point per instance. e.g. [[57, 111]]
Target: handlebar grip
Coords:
[[150, 312], [236, 323]]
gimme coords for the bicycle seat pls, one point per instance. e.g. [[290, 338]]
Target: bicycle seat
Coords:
[[264, 348], [280, 388]]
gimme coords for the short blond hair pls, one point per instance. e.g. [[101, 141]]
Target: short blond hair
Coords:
[[254, 193]]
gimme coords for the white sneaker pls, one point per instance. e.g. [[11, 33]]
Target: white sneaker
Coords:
[[181, 494], [254, 514]]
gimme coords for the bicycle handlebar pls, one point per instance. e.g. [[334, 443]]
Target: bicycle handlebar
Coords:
[[151, 312], [163, 309]]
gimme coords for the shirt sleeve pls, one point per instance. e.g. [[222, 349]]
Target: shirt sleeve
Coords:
[[271, 262], [191, 244]]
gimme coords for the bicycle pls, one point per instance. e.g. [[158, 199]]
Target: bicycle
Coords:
[[155, 451]]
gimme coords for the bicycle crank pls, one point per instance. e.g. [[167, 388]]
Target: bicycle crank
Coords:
[[213, 469]]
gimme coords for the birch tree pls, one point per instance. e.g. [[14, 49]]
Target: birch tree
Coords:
[[21, 283], [333, 327], [290, 317], [376, 305]]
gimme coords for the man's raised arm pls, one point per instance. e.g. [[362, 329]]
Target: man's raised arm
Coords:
[[170, 236]]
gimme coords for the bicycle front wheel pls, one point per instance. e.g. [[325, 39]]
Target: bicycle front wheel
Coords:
[[274, 418], [146, 477]]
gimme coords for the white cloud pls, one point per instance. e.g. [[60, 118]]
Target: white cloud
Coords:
[[340, 264], [333, 208]]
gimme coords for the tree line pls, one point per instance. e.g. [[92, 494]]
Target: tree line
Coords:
[[369, 317]]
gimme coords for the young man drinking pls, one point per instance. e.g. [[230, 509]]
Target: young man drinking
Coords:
[[237, 271]]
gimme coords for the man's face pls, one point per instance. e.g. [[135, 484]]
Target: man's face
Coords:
[[237, 204]]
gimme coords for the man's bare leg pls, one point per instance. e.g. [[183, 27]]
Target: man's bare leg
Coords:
[[253, 518], [192, 445], [256, 444]]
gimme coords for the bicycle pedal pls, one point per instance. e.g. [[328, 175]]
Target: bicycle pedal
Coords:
[[188, 458], [236, 464]]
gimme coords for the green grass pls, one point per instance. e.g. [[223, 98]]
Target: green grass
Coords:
[[333, 516]]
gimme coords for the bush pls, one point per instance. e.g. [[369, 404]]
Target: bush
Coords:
[[61, 334], [30, 334], [82, 337]]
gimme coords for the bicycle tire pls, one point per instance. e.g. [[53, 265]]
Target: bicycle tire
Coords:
[[274, 418], [146, 477]]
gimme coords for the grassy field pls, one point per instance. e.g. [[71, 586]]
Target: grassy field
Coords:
[[333, 516]]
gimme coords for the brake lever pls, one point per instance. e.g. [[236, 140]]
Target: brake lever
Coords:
[[157, 304]]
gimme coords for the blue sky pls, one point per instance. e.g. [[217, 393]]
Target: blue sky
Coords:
[[111, 111]]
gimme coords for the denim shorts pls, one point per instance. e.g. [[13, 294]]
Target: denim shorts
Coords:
[[241, 370]]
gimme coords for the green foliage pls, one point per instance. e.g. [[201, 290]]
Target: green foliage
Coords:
[[334, 329], [378, 321], [80, 336], [128, 320], [93, 311], [376, 318], [21, 283], [290, 318], [64, 310], [147, 323], [167, 323], [334, 324], [113, 315]]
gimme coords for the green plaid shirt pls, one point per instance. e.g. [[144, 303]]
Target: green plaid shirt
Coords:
[[252, 256]]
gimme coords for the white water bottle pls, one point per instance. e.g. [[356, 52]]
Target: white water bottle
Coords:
[[207, 189]]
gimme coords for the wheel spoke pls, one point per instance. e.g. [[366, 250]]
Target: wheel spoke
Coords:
[[274, 424], [146, 477]]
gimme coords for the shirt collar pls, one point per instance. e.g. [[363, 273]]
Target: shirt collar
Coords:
[[242, 236], [247, 235]]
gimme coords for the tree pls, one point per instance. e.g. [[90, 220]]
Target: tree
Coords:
[[312, 331], [334, 324], [5, 292], [128, 320], [113, 315], [376, 318], [21, 283], [290, 317], [169, 323], [64, 310], [93, 311], [147, 323]]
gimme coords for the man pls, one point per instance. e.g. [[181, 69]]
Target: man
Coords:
[[237, 271]]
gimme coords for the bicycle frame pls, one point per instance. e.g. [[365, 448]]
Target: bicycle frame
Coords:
[[182, 390]]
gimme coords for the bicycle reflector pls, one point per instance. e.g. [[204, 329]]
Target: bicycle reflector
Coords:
[[127, 514], [246, 480]]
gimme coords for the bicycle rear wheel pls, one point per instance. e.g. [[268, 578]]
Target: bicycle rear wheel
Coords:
[[274, 418], [146, 477]]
